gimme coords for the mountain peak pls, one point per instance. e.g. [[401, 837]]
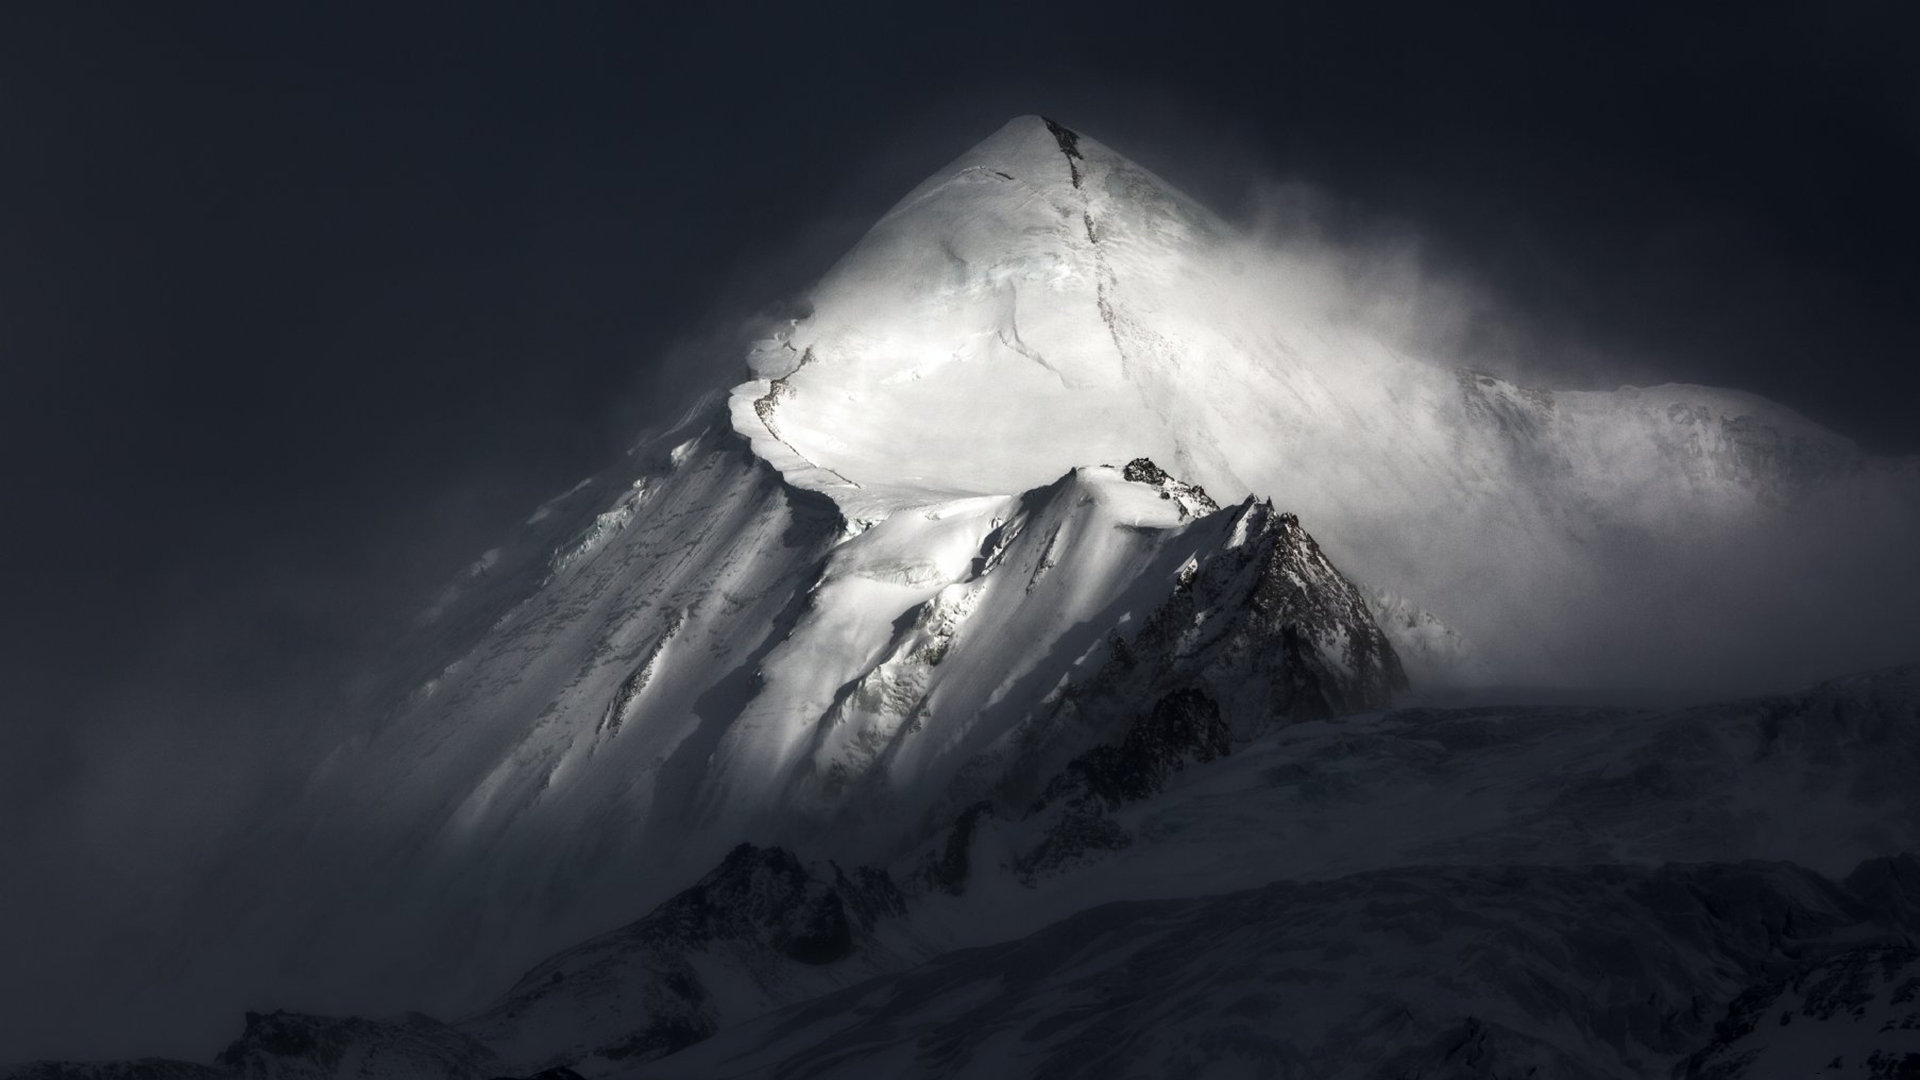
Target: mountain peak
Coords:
[[992, 330], [1030, 150], [1042, 303], [1069, 140]]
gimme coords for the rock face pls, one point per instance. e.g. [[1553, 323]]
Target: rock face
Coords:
[[1579, 892], [297, 1046], [1579, 972], [726, 947], [1240, 599], [1307, 629], [143, 1069], [1855, 1015], [1192, 498], [723, 656], [1257, 623], [1184, 725], [292, 1046]]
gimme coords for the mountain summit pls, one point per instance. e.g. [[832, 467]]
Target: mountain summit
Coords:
[[1043, 303], [1021, 312]]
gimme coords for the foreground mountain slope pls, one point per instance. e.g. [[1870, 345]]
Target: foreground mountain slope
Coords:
[[1594, 892], [1177, 810], [721, 656], [1570, 972], [1855, 1015]]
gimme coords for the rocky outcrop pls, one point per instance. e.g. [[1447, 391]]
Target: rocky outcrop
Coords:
[[1069, 141], [1264, 625], [1192, 499], [1578, 972], [951, 864], [296, 1046], [1242, 625], [1856, 1014], [1184, 725], [1511, 947], [643, 991], [1071, 819], [299, 1046], [1269, 627], [142, 1069]]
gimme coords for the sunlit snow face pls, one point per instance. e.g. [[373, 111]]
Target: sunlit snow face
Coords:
[[1004, 324]]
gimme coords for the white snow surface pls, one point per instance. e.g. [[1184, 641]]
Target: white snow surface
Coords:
[[716, 656], [1024, 311], [1857, 1015], [1340, 897]]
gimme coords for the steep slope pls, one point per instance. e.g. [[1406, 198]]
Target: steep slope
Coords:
[[1856, 1015], [760, 930], [1175, 808], [520, 771], [1815, 777], [718, 655], [293, 1046], [1589, 891], [1585, 972], [1042, 303]]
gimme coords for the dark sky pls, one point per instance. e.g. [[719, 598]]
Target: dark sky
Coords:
[[300, 305]]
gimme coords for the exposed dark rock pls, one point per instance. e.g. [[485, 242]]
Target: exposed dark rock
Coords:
[[1485, 972], [949, 869], [1069, 146], [142, 1069], [1077, 836], [1266, 621], [1193, 498], [631, 687], [1068, 139], [1143, 471], [1183, 725], [664, 1032], [1257, 629], [765, 895], [1861, 1006], [284, 1044], [297, 1046], [760, 909], [1306, 604]]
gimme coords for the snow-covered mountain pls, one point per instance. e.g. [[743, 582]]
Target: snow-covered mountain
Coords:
[[1049, 514], [720, 657], [1416, 875], [1590, 892], [1043, 303]]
